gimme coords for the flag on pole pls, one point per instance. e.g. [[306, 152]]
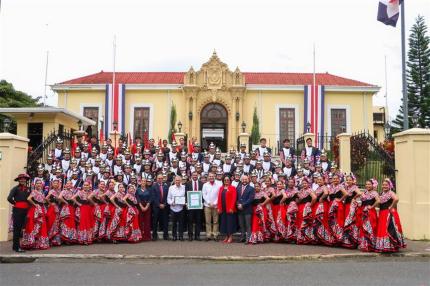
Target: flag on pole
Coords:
[[388, 11], [190, 146], [314, 111], [145, 140], [115, 107], [173, 137]]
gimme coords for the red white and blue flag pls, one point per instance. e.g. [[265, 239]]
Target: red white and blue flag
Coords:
[[115, 107], [314, 111], [388, 11]]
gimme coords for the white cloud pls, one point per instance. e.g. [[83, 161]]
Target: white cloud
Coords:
[[172, 35]]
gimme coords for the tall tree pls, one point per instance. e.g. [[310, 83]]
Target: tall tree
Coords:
[[255, 131], [418, 77], [9, 97], [172, 128]]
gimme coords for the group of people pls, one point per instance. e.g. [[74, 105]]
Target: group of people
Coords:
[[128, 193]]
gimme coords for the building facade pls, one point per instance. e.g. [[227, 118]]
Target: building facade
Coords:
[[212, 103]]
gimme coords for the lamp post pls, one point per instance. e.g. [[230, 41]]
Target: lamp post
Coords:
[[387, 128], [415, 122], [101, 126], [115, 128], [179, 126], [6, 124], [308, 127], [243, 126], [80, 125]]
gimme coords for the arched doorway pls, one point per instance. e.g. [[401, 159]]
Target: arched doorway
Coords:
[[213, 126]]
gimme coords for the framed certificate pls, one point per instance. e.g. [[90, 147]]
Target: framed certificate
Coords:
[[195, 200], [179, 200]]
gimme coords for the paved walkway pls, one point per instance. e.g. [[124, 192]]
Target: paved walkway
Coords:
[[203, 248]]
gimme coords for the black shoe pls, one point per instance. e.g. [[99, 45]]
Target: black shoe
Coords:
[[197, 238], [181, 239], [19, 250], [166, 238], [208, 238], [216, 239], [190, 238], [243, 240], [175, 239]]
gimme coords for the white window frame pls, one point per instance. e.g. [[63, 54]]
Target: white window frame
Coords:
[[151, 117], [296, 119], [348, 116]]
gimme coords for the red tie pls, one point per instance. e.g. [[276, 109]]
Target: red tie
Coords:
[[161, 194], [195, 186]]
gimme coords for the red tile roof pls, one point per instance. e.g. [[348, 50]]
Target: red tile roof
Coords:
[[250, 78]]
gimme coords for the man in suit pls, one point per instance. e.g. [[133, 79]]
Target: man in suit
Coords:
[[310, 152], [286, 151], [245, 196], [160, 209], [194, 217]]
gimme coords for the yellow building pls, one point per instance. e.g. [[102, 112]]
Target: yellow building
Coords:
[[213, 102]]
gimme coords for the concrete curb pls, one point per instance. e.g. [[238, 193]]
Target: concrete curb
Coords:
[[26, 258]]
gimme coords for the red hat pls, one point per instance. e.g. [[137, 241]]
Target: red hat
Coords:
[[22, 176]]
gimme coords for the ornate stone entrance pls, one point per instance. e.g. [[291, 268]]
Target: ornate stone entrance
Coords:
[[213, 126], [216, 90]]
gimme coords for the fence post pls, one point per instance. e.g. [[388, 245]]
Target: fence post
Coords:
[[412, 153], [344, 152], [13, 160], [244, 139]]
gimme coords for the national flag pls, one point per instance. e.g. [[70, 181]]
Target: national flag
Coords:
[[145, 140], [101, 137], [173, 137], [159, 143], [388, 11], [115, 107], [314, 111], [190, 146]]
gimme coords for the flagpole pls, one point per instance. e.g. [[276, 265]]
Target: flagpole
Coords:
[[314, 93], [405, 95], [113, 73], [386, 92]]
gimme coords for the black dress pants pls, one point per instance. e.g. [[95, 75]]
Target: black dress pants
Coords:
[[19, 217], [177, 219]]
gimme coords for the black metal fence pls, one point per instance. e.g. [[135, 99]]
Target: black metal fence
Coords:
[[369, 159], [40, 153]]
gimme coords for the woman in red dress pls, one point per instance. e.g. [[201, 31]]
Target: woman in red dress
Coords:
[[67, 214], [144, 194], [305, 199], [35, 234], [389, 236], [116, 228], [278, 210], [259, 214], [132, 229], [320, 211], [336, 210], [270, 222], [350, 227], [84, 214], [369, 217], [291, 211], [100, 205], [53, 213]]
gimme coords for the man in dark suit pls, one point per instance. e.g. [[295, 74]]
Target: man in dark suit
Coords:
[[194, 217], [245, 196], [286, 151], [310, 152], [160, 208]]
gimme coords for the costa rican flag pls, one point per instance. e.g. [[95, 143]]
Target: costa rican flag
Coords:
[[314, 111], [115, 107], [388, 11]]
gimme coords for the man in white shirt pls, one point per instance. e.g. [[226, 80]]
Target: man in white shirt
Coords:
[[177, 191], [210, 200]]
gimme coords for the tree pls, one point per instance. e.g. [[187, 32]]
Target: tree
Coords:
[[418, 77], [255, 131], [172, 128], [9, 97]]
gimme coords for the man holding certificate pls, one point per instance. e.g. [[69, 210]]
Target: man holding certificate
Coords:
[[176, 200], [194, 218]]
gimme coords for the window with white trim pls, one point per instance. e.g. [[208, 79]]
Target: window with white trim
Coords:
[[338, 121], [141, 121], [287, 124]]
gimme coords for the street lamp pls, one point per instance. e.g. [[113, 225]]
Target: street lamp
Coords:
[[179, 126], [190, 115], [387, 128], [243, 126], [308, 127], [237, 116], [80, 125], [6, 124], [415, 120]]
